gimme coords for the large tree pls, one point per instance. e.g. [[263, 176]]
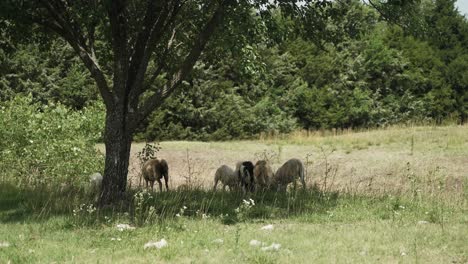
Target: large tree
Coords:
[[139, 51]]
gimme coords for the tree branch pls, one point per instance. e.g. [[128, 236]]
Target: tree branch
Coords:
[[200, 42], [62, 26], [140, 63], [163, 58], [118, 20]]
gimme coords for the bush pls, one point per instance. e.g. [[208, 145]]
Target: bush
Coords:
[[48, 144]]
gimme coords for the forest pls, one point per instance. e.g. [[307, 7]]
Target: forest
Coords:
[[359, 68]]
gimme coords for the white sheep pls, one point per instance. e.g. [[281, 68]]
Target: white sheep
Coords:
[[227, 176], [95, 184]]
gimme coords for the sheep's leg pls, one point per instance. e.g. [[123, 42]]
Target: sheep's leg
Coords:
[[166, 179], [160, 185], [295, 185], [215, 184], [152, 183]]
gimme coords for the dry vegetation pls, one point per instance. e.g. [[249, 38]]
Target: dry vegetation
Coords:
[[390, 161]]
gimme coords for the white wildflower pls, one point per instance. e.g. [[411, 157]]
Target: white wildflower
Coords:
[[160, 244], [267, 227], [423, 222], [116, 239], [255, 243], [272, 247], [122, 227], [4, 244], [218, 241]]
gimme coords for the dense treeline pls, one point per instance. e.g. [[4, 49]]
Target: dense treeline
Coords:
[[368, 72]]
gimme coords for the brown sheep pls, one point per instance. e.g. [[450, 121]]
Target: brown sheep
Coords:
[[227, 177], [262, 174], [289, 172], [155, 170]]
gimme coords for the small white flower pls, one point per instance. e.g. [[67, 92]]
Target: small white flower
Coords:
[[160, 244], [423, 222], [272, 247], [255, 243], [185, 207], [267, 227], [218, 241], [252, 201], [122, 227], [205, 216], [4, 244], [177, 215]]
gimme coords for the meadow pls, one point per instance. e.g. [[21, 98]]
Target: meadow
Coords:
[[398, 194]]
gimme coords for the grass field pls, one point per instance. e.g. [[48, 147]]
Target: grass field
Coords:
[[379, 196]]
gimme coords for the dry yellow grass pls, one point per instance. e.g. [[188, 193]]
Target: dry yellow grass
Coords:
[[391, 160]]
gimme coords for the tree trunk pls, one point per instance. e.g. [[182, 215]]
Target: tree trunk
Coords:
[[118, 138]]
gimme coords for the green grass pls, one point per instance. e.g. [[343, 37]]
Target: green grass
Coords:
[[311, 226], [399, 195]]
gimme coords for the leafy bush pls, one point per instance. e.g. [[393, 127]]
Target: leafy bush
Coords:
[[50, 144]]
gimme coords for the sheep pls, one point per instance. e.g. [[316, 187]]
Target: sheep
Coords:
[[227, 177], [155, 170], [262, 174], [244, 170], [289, 172], [95, 183]]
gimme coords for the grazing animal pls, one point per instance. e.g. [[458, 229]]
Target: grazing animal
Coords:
[[155, 170], [244, 170], [227, 177], [262, 174], [95, 183], [289, 172]]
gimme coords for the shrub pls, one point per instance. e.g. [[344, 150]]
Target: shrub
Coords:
[[48, 144]]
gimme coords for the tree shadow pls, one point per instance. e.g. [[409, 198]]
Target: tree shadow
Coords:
[[37, 204], [268, 204], [40, 204]]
